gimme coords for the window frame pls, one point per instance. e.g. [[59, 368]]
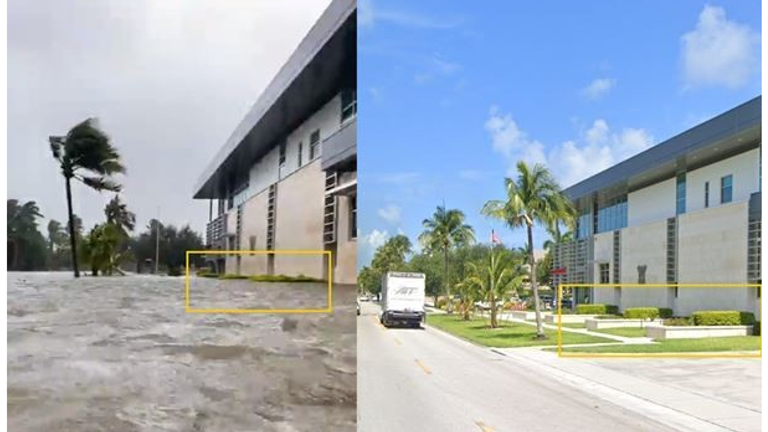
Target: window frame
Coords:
[[729, 188], [314, 144]]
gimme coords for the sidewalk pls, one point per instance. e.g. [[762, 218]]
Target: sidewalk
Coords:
[[714, 401]]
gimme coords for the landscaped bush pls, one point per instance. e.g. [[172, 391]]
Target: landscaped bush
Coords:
[[597, 309], [608, 317], [283, 278], [206, 273], [678, 322], [442, 302], [722, 318], [647, 313], [233, 276], [756, 329]]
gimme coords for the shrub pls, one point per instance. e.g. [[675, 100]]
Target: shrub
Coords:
[[722, 318], [283, 278], [441, 302], [678, 322], [756, 329], [174, 271], [233, 276], [647, 313], [597, 309], [607, 316], [206, 273]]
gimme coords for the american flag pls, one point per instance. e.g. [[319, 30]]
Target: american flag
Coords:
[[495, 238]]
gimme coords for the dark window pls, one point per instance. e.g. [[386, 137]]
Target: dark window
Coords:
[[301, 153], [353, 217], [314, 144], [680, 194], [605, 273], [348, 103], [706, 194], [726, 189], [612, 214], [282, 155]]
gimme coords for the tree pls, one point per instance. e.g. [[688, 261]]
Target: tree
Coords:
[[431, 266], [534, 197], [493, 281], [388, 257], [442, 232], [27, 249], [101, 248], [117, 213], [85, 154]]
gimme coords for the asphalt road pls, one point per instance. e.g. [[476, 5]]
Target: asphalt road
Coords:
[[425, 380]]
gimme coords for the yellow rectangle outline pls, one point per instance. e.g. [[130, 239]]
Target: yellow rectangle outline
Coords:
[[328, 309], [561, 354]]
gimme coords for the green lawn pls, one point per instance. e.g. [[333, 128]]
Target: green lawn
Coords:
[[721, 344], [624, 331], [571, 325], [508, 335]]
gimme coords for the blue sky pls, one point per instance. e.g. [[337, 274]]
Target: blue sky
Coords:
[[452, 95]]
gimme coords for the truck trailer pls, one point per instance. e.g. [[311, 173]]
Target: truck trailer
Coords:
[[402, 299]]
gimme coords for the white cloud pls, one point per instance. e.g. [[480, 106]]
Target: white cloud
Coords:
[[510, 141], [596, 149], [719, 51], [376, 239], [390, 214], [369, 15], [599, 88]]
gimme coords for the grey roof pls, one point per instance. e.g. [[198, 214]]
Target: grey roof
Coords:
[[732, 132], [324, 61]]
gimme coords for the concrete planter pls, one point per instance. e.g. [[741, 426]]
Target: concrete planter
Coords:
[[526, 315], [660, 332], [599, 324], [568, 319]]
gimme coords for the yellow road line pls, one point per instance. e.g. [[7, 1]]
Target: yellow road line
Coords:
[[424, 368], [397, 341], [483, 427]]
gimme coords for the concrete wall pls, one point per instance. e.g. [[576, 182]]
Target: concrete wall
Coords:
[[345, 270], [255, 224], [743, 167], [644, 245], [603, 248], [651, 204], [300, 221]]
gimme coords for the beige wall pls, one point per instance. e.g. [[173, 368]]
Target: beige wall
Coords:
[[345, 270], [300, 221], [255, 224], [603, 248], [644, 245]]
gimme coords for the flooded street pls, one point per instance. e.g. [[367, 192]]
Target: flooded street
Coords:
[[121, 354]]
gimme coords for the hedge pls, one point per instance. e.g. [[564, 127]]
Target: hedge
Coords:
[[756, 329], [647, 313], [722, 318], [597, 309]]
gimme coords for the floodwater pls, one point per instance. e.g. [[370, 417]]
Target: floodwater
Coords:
[[121, 354]]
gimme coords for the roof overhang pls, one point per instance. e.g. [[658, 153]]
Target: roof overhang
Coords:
[[323, 63], [726, 135]]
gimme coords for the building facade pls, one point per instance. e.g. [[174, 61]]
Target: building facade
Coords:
[[686, 211], [286, 179]]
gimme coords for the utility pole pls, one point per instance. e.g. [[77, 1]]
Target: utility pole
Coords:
[[157, 240]]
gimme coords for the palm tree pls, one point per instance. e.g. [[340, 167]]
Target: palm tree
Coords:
[[442, 232], [85, 154], [117, 213], [55, 235], [533, 197], [494, 281]]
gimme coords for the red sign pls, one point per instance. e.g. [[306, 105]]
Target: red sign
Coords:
[[558, 271]]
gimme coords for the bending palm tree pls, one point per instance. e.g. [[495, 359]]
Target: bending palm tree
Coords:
[[87, 149], [494, 282], [533, 197], [443, 231], [117, 213]]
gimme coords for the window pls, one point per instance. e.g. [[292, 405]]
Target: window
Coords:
[[706, 194], [680, 194], [582, 225], [348, 103], [301, 153], [353, 217], [726, 189], [612, 214], [282, 155], [314, 144], [605, 273]]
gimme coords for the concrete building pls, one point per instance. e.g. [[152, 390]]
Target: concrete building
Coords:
[[286, 179], [685, 211]]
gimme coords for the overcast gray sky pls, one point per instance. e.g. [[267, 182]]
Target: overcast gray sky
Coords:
[[168, 80]]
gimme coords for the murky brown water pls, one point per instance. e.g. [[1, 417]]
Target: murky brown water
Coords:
[[120, 354]]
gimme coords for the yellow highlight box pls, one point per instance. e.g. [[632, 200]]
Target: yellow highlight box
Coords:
[[560, 352], [327, 309]]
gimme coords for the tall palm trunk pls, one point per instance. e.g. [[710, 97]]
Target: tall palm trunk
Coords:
[[72, 240], [534, 286], [449, 299]]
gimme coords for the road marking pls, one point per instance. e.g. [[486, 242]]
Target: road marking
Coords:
[[424, 368], [483, 427], [378, 323], [397, 341]]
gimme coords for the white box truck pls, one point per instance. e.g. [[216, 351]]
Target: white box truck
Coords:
[[402, 299]]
